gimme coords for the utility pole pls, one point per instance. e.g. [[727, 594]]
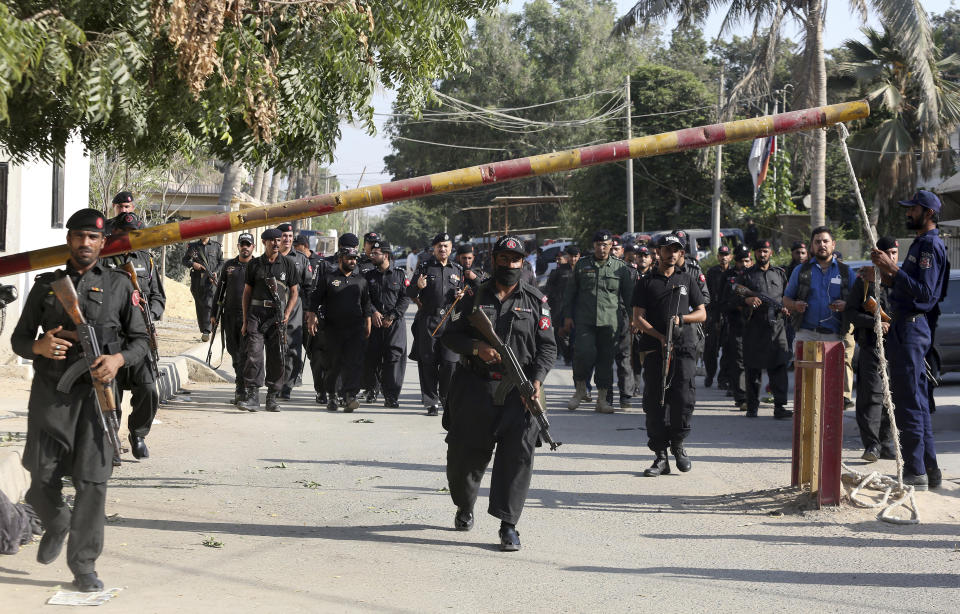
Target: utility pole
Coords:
[[629, 163], [717, 183]]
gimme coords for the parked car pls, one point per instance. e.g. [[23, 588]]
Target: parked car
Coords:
[[547, 260], [698, 245]]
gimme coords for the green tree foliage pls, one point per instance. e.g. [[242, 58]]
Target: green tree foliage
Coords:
[[409, 224], [774, 196], [265, 81], [521, 64]]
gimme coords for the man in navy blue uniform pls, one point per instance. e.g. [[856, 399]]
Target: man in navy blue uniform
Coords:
[[386, 357], [915, 290]]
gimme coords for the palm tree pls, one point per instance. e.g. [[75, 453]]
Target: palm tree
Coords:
[[906, 20], [887, 151]]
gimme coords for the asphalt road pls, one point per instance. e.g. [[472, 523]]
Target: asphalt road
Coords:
[[310, 511]]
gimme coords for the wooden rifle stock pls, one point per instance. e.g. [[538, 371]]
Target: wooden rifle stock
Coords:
[[447, 313], [870, 305], [106, 402], [147, 317]]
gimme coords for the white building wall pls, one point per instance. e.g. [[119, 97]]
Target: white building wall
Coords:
[[29, 217]]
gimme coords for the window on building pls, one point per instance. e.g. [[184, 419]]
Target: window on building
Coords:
[[56, 209], [4, 171]]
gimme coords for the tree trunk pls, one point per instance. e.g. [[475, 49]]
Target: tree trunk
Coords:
[[257, 182], [231, 176], [265, 186], [818, 75], [274, 187]]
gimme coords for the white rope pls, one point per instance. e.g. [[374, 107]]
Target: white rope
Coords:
[[902, 493]]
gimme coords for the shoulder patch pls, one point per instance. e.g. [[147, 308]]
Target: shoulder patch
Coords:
[[702, 278]]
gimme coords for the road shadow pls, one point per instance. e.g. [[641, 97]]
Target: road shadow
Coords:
[[787, 576], [419, 467]]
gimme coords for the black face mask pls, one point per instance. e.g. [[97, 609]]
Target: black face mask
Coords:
[[506, 276]]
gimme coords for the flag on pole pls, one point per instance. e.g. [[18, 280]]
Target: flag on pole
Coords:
[[760, 154]]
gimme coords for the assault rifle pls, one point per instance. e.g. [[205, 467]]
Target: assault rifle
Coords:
[[274, 289], [742, 290], [200, 258], [154, 358], [668, 348], [217, 315], [513, 377], [106, 402]]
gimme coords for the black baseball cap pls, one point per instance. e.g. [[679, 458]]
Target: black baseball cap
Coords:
[[245, 237], [301, 240], [509, 244], [670, 239], [127, 221], [723, 250]]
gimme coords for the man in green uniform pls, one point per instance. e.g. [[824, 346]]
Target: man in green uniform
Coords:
[[600, 288]]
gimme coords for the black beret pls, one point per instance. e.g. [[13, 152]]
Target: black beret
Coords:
[[741, 252], [123, 197], [602, 235], [616, 240], [572, 250], [370, 237], [723, 249], [509, 244], [348, 240], [285, 227], [301, 240], [885, 243], [440, 238], [466, 248], [86, 219], [245, 236], [762, 244], [347, 251], [798, 245], [126, 221], [270, 234]]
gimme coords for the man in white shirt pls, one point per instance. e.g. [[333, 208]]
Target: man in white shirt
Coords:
[[411, 261]]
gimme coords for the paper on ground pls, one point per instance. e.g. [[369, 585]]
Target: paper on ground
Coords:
[[76, 598]]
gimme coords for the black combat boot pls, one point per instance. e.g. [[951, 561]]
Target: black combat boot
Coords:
[[238, 394], [252, 400], [321, 398], [50, 546], [660, 466], [782, 413], [351, 404], [272, 404], [683, 461], [87, 582]]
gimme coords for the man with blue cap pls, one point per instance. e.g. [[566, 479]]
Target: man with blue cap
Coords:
[[916, 288]]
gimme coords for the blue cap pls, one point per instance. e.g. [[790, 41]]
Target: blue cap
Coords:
[[924, 199]]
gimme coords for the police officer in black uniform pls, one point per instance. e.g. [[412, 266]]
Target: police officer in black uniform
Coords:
[[714, 328], [139, 378], [475, 425], [203, 258], [434, 287], [294, 357], [64, 436], [260, 326], [342, 298], [312, 344], [385, 360], [231, 282], [473, 273], [556, 289], [731, 362], [764, 333], [623, 359], [872, 419], [668, 297], [365, 261]]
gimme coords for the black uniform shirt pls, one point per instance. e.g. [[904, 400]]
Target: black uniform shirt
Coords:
[[388, 291], [342, 299], [233, 277], [149, 279], [209, 255], [302, 265], [316, 267], [771, 282], [443, 283], [283, 269], [715, 276], [364, 263], [522, 321], [656, 295]]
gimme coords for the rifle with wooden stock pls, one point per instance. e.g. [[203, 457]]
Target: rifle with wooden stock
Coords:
[[274, 289], [513, 376], [154, 358], [87, 336]]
